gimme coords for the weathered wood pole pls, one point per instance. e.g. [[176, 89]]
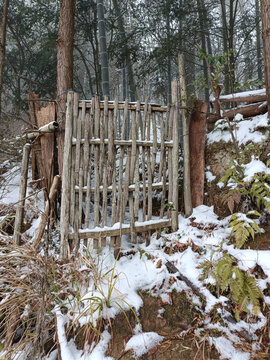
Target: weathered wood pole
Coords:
[[45, 214], [197, 130], [66, 179], [175, 155], [183, 92], [22, 194]]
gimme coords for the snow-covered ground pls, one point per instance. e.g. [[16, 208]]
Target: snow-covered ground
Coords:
[[201, 237]]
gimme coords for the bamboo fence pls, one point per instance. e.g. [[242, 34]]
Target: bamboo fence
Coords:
[[118, 157]]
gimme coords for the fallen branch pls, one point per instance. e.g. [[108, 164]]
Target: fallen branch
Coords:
[[173, 270]]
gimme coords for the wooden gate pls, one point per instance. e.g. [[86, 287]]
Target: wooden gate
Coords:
[[119, 158]]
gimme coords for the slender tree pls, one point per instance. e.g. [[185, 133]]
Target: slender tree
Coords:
[[265, 13], [64, 67], [203, 27], [126, 51], [258, 41], [103, 49], [3, 49]]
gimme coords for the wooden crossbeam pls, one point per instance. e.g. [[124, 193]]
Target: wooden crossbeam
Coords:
[[98, 233], [145, 143]]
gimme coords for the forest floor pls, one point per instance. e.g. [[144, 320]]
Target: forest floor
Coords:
[[163, 301]]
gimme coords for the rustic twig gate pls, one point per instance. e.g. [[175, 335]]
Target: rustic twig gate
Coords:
[[112, 171]]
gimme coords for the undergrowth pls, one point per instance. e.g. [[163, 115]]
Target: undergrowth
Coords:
[[233, 282], [254, 193]]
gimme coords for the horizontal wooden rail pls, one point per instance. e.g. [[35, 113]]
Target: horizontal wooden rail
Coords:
[[132, 187], [98, 233], [121, 105], [145, 143]]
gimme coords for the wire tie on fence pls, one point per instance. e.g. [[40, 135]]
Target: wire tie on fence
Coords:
[[65, 92]]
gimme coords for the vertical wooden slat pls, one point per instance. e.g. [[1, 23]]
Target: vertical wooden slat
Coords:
[[114, 130], [121, 163], [86, 146], [111, 153], [145, 113], [131, 175], [137, 175], [22, 194], [77, 176], [89, 169], [65, 195], [175, 156], [162, 165], [149, 171], [104, 198], [170, 174], [133, 146], [162, 148], [96, 168], [72, 160], [154, 150]]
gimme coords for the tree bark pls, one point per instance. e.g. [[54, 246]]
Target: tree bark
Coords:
[[258, 41], [103, 49], [202, 19], [183, 92], [131, 81], [265, 13], [3, 49], [64, 68], [197, 138]]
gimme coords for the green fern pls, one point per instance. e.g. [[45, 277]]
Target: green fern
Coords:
[[237, 284], [260, 190], [244, 227]]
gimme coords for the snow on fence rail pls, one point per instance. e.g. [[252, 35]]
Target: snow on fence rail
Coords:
[[118, 157]]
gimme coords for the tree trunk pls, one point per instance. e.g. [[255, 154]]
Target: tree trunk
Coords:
[[197, 138], [131, 81], [258, 41], [265, 13], [3, 49], [64, 68], [183, 92], [202, 20], [103, 49], [169, 63], [225, 45]]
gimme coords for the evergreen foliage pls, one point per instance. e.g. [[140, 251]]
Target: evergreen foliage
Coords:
[[235, 283]]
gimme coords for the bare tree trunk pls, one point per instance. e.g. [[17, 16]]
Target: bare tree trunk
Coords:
[[183, 92], [3, 49], [103, 49], [265, 13], [169, 63], [258, 41], [129, 68], [64, 68], [202, 20], [197, 139]]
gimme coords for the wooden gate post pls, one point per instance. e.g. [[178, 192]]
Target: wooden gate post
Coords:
[[175, 156], [23, 186], [66, 180]]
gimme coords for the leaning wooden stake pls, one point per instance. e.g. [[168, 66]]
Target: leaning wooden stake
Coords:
[[65, 197], [183, 91], [23, 186], [45, 214]]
